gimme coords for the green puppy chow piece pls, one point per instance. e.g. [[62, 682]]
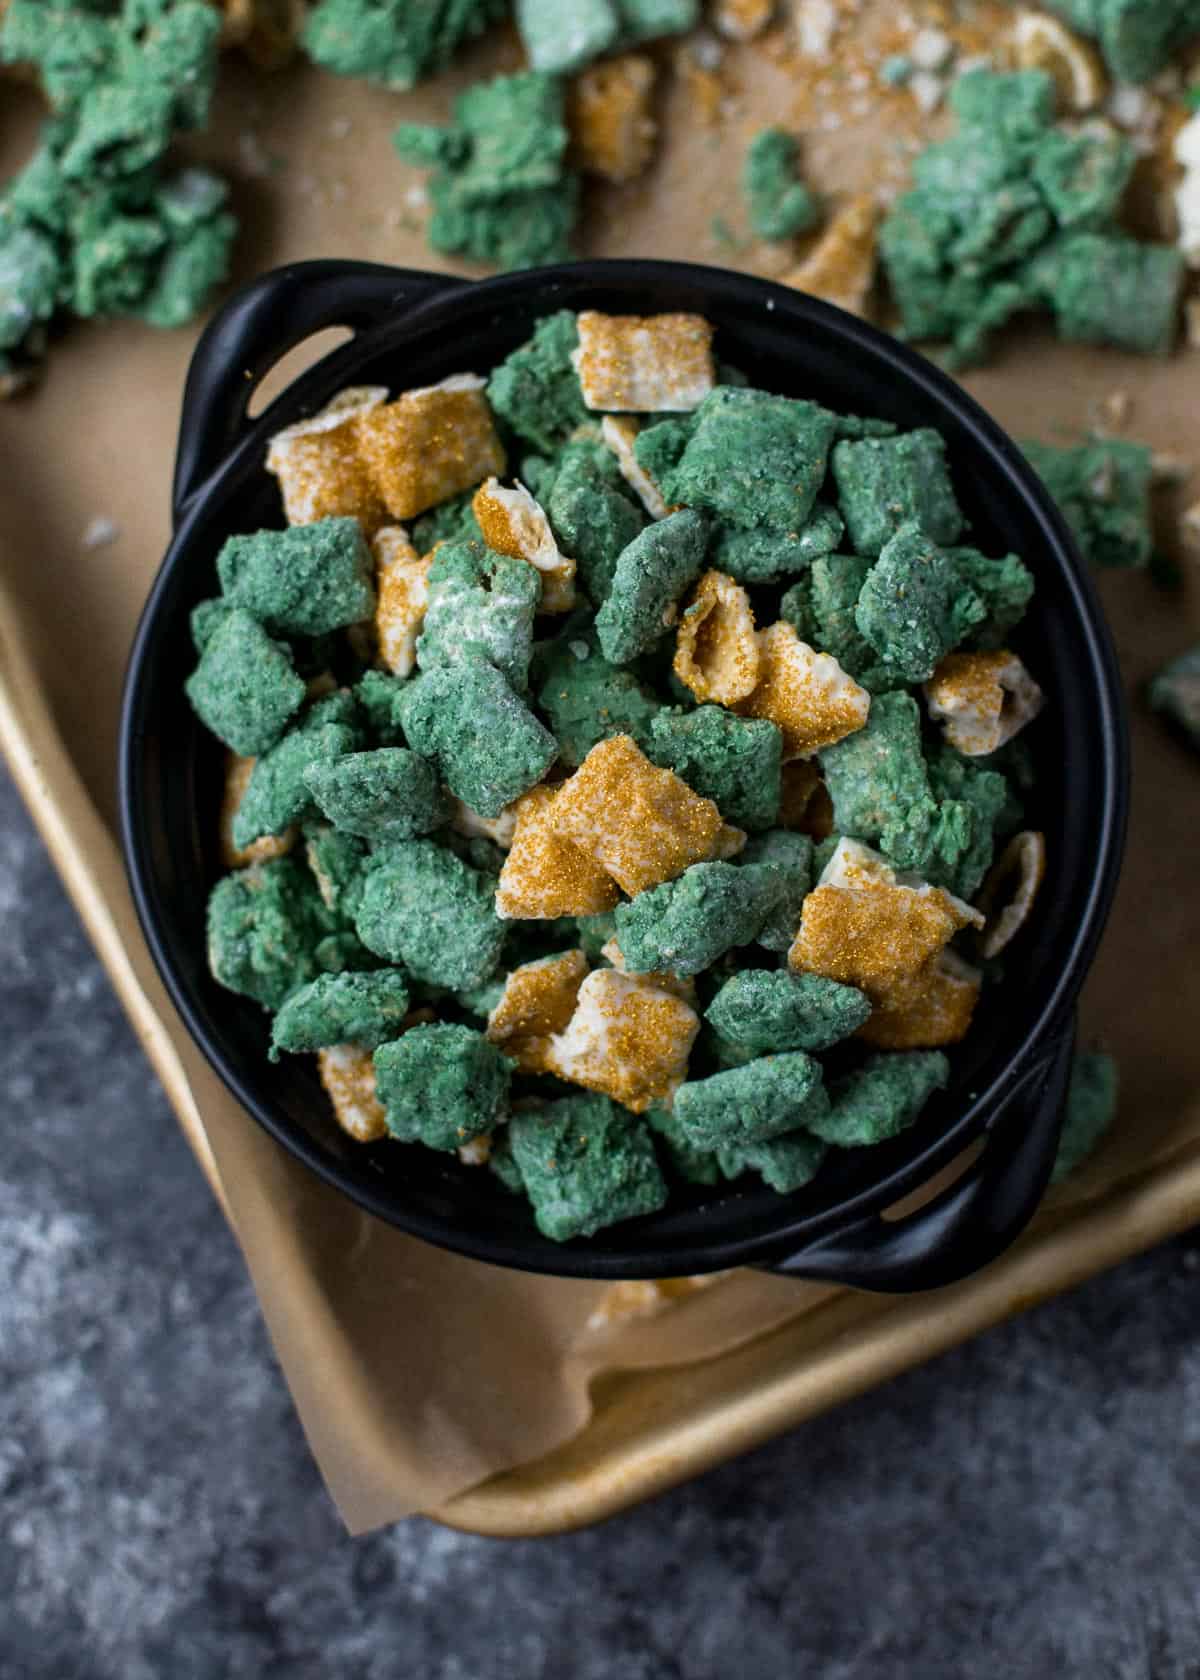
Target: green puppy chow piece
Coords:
[[393, 42], [515, 135], [694, 1166], [880, 1099], [1137, 37], [1090, 1109], [584, 1164], [204, 619], [659, 446], [441, 1085], [1009, 224], [72, 48], [736, 762], [338, 864], [784, 859], [192, 265], [784, 1163], [480, 605], [749, 1104], [425, 908], [1102, 488], [684, 925], [1106, 288], [956, 779], [451, 521], [304, 580], [647, 20], [592, 516], [388, 793], [535, 391], [488, 746], [650, 577], [378, 695], [562, 38], [585, 699], [121, 128], [342, 952], [346, 1008], [1016, 106], [1175, 693], [1006, 587], [771, 1010], [916, 605], [113, 259], [263, 926], [875, 775], [884, 483], [277, 794], [524, 230], [762, 556], [244, 689], [779, 203], [1083, 177], [752, 459]]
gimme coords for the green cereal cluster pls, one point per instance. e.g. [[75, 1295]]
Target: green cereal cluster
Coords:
[[650, 577], [441, 1085], [1011, 214], [262, 928], [762, 1099], [277, 794], [884, 483], [1137, 37], [749, 458], [916, 605], [488, 746], [388, 793], [561, 37], [386, 902], [881, 1098], [586, 700], [592, 515], [535, 391], [245, 688], [736, 762], [784, 1163], [585, 1163], [346, 1008], [1175, 692], [766, 556], [393, 42], [501, 191], [1102, 488], [481, 605], [426, 909], [769, 1010], [302, 581], [97, 224], [779, 204], [785, 859], [684, 925], [1091, 1107]]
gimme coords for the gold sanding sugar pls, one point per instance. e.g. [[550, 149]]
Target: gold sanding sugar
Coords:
[[716, 650], [840, 267], [627, 1038], [806, 694], [608, 117], [347, 1072], [237, 775], [430, 444], [644, 363], [321, 472], [640, 824], [873, 937], [544, 874], [933, 1008], [982, 699], [538, 1000]]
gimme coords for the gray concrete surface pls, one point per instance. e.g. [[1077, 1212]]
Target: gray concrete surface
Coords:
[[1026, 1506]]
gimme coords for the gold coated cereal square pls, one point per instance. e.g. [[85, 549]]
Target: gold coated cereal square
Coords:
[[608, 117], [347, 1072], [514, 523], [640, 824], [401, 596], [982, 700], [716, 650], [874, 937], [430, 444], [544, 874], [840, 268], [806, 694], [620, 434], [933, 1009], [321, 472], [628, 1038], [538, 1000], [644, 364]]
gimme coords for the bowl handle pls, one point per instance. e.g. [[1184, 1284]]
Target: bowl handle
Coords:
[[263, 321], [974, 1220]]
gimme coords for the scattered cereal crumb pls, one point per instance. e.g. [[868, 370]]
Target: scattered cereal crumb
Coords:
[[931, 49], [928, 89], [816, 24], [100, 531], [340, 128]]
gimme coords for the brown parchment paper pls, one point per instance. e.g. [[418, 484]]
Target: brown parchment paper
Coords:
[[418, 1374]]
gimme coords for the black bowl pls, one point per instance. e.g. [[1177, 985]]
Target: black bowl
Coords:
[[1008, 1078]]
